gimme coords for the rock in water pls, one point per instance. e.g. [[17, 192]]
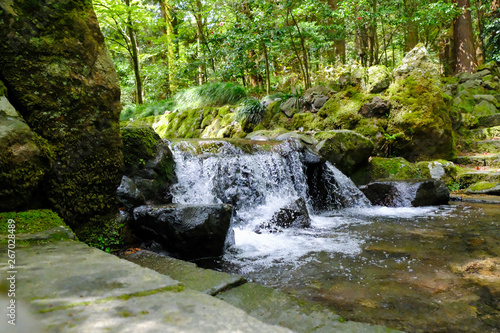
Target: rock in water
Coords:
[[63, 83], [292, 215], [406, 193], [186, 231]]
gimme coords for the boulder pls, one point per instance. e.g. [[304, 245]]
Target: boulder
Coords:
[[316, 97], [419, 114], [347, 150], [292, 106], [377, 107], [185, 231], [379, 79], [417, 63], [23, 161], [149, 166], [416, 193], [396, 168], [63, 83], [292, 215], [489, 188]]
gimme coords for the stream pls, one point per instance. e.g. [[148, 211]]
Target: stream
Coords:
[[425, 269]]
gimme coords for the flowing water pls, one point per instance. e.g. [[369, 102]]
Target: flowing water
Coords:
[[427, 269]]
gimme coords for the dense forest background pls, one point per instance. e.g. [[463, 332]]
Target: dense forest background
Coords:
[[160, 47]]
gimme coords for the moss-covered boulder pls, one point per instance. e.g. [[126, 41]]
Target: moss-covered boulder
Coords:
[[419, 116], [60, 78], [347, 150], [380, 168], [379, 79], [149, 167], [341, 110], [23, 161]]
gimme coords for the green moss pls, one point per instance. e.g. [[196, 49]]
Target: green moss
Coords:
[[139, 145], [482, 186], [30, 221], [420, 113], [3, 89], [304, 121], [392, 168]]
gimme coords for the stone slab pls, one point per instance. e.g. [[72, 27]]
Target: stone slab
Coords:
[[204, 280], [71, 287], [490, 160], [165, 312]]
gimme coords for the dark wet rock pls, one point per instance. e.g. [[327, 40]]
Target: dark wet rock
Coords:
[[63, 83], [292, 106], [149, 167], [414, 193], [293, 215], [186, 231], [128, 193], [377, 107], [347, 150]]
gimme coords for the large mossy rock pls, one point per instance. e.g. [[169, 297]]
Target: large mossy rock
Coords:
[[379, 79], [23, 161], [419, 116], [380, 168], [63, 83], [186, 231], [347, 150]]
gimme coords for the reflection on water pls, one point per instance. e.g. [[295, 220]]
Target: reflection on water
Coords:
[[430, 269]]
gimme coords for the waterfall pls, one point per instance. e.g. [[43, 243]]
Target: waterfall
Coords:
[[257, 178]]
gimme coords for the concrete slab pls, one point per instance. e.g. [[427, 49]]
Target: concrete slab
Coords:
[[75, 288], [205, 280]]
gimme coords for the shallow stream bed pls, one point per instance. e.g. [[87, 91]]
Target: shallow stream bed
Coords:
[[429, 269]]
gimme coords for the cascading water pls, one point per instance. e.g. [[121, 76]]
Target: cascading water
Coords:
[[259, 179]]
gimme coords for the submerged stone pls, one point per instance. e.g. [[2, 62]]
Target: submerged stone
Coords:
[[186, 231], [292, 215]]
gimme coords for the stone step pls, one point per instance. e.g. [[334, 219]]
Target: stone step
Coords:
[[487, 133], [485, 160], [491, 120], [486, 146], [472, 177]]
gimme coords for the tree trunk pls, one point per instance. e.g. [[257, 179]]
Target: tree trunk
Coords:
[[463, 40], [411, 27], [373, 39], [480, 29], [307, 81], [135, 54], [446, 53], [268, 78], [338, 49], [168, 31]]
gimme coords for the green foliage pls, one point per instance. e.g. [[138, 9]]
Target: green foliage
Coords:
[[210, 94], [147, 110], [492, 36], [453, 186], [107, 233], [251, 111]]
